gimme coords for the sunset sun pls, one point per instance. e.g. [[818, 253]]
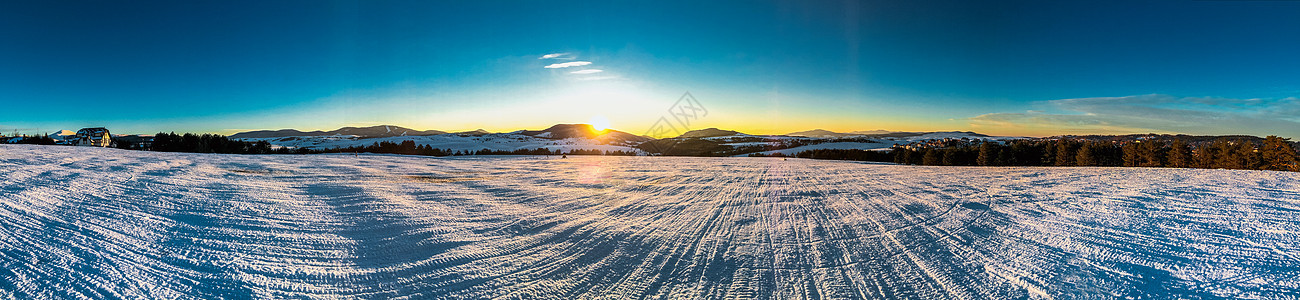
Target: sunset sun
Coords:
[[768, 149], [599, 123]]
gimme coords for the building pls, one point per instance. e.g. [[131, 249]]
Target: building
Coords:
[[95, 136], [134, 142]]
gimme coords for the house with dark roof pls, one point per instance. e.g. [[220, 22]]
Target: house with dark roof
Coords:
[[94, 136]]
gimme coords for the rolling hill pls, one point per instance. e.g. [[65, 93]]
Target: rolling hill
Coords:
[[362, 132]]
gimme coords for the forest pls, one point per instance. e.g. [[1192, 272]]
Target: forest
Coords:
[[411, 148], [1270, 153], [209, 143]]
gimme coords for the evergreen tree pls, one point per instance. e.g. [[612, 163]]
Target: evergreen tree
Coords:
[[1066, 151], [1087, 155], [1279, 155], [1108, 154], [1132, 155], [1180, 155], [989, 152], [1025, 153], [1048, 152], [932, 157], [902, 155], [1207, 156], [1229, 155], [1152, 154], [1004, 157], [950, 157], [1251, 158]]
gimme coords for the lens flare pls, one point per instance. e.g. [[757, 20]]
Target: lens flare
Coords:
[[599, 122]]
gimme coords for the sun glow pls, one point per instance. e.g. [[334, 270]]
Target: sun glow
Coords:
[[599, 123]]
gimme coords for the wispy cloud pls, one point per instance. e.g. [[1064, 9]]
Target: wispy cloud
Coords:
[[591, 78], [563, 55], [587, 71], [568, 64], [1157, 113]]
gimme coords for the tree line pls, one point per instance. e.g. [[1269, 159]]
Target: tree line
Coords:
[[35, 140], [215, 143], [409, 147], [1272, 153], [211, 143]]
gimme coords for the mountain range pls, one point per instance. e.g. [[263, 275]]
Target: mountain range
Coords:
[[561, 131], [573, 137], [822, 133], [585, 131], [708, 132], [363, 132]]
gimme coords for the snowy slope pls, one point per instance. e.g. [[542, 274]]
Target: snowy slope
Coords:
[[107, 223], [742, 136], [882, 144], [62, 133], [955, 135], [872, 144]]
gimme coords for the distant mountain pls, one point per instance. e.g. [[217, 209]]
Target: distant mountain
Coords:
[[871, 132], [822, 133], [274, 133], [383, 131], [950, 134], [563, 138], [707, 132], [474, 132], [815, 133], [364, 132], [574, 137], [586, 131]]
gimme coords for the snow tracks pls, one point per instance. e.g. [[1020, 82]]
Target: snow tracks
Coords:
[[103, 223]]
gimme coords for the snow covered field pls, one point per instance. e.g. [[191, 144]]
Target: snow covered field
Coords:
[[111, 223], [832, 145]]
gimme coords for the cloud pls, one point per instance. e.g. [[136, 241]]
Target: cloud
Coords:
[[590, 78], [587, 71], [568, 64], [563, 55], [1157, 113]]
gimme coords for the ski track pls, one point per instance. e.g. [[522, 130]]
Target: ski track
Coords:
[[104, 223]]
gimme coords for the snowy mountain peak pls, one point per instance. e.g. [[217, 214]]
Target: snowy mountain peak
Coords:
[[474, 132]]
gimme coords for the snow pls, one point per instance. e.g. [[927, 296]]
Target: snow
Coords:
[[86, 222], [62, 133], [883, 145], [956, 135], [743, 136]]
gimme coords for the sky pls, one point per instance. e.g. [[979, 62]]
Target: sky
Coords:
[[1028, 68]]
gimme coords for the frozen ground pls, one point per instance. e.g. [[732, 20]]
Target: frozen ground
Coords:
[[103, 223], [884, 145]]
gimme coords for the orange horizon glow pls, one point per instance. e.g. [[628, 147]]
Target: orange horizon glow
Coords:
[[764, 129]]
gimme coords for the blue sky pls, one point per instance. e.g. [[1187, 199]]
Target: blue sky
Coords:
[[1008, 67]]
